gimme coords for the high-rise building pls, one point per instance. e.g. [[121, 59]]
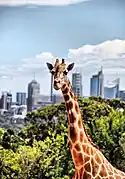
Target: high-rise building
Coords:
[[33, 94], [77, 83], [94, 85], [111, 90], [97, 84], [117, 83], [21, 98], [6, 100], [122, 94]]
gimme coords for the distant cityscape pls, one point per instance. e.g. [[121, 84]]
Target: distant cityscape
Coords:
[[33, 100]]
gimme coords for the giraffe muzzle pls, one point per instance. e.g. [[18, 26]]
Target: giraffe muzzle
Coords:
[[57, 84]]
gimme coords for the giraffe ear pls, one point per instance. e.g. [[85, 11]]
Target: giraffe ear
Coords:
[[70, 66], [50, 66]]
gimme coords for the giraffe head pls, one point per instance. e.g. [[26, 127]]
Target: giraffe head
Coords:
[[59, 72]]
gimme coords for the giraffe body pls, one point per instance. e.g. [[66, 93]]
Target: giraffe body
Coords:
[[89, 162]]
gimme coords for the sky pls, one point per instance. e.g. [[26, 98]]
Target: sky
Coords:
[[90, 33]]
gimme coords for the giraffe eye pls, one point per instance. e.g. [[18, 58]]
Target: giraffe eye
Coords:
[[65, 72]]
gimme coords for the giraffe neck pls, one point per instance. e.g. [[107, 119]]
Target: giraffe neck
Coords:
[[77, 134], [72, 104], [89, 162]]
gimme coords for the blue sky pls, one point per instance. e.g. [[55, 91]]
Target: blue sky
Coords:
[[31, 35]]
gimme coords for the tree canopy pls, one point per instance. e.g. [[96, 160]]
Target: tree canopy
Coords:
[[41, 149]]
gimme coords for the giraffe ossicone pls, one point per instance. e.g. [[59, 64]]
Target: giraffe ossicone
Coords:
[[88, 160]]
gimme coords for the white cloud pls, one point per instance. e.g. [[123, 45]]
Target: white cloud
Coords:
[[39, 2], [88, 59], [16, 77], [26, 66], [109, 54]]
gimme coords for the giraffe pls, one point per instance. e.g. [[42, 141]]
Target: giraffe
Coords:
[[88, 160]]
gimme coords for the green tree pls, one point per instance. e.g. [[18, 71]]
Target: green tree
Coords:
[[41, 149]]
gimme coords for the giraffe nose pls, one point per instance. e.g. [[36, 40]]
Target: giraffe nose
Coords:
[[56, 81]]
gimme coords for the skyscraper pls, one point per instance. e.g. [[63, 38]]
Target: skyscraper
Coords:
[[122, 94], [117, 83], [6, 100], [97, 84], [21, 98], [33, 94], [77, 83], [94, 85], [111, 90]]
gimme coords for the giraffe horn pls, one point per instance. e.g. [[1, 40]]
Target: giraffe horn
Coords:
[[63, 60]]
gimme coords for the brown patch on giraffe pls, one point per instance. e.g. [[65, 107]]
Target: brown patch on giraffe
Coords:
[[86, 176], [77, 147], [73, 134], [98, 177], [78, 158], [86, 158], [95, 167], [84, 148], [103, 172], [77, 108], [81, 136], [85, 141], [72, 117], [117, 177], [92, 150], [111, 177], [80, 125], [66, 90], [109, 172], [63, 87], [115, 172], [87, 167], [88, 150], [66, 97], [69, 105], [97, 158]]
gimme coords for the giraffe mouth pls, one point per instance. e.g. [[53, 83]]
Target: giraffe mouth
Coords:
[[57, 87]]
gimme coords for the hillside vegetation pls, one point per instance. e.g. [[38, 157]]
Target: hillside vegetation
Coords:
[[40, 150]]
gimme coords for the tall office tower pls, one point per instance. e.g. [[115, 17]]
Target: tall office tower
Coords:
[[97, 84], [33, 95], [111, 90], [21, 98], [122, 95], [117, 83], [77, 83], [6, 100]]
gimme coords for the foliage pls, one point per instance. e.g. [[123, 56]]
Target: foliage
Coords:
[[41, 149], [7, 123]]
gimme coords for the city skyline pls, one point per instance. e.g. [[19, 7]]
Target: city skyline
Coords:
[[32, 35], [77, 82]]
